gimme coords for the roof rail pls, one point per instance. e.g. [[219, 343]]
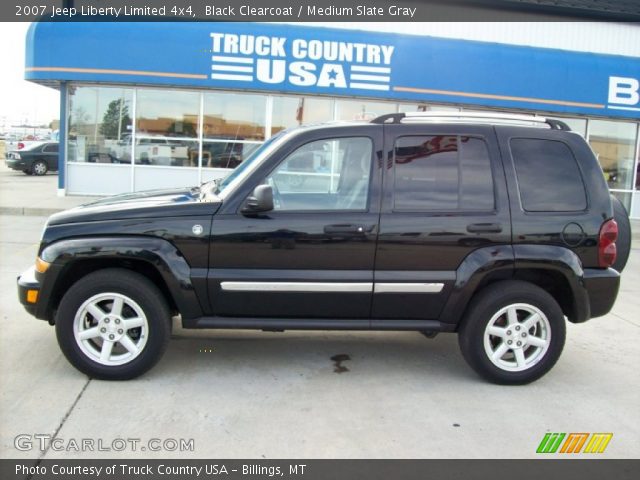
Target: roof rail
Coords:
[[471, 117]]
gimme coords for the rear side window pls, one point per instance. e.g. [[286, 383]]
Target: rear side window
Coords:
[[50, 149], [549, 178], [442, 173]]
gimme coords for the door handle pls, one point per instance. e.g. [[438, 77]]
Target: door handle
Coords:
[[348, 228], [484, 228]]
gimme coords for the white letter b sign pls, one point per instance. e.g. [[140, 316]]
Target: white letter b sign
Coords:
[[623, 91]]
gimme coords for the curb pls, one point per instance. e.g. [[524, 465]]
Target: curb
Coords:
[[35, 212]]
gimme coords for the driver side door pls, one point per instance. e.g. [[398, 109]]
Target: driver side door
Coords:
[[312, 255]]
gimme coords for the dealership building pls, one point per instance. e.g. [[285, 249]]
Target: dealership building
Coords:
[[153, 105]]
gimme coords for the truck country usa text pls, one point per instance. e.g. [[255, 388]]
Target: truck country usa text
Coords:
[[300, 62]]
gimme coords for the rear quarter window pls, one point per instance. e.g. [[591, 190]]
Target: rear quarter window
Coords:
[[549, 179]]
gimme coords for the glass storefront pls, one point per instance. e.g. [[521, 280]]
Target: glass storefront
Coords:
[[99, 124], [287, 112], [614, 144], [209, 132]]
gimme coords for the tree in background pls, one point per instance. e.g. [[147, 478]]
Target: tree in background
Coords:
[[115, 120]]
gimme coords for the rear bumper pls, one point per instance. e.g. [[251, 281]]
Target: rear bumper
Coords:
[[602, 289], [27, 281], [15, 164]]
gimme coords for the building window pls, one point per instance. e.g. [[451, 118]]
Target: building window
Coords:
[[167, 128], [289, 112], [362, 110], [99, 124], [423, 107], [614, 144], [233, 127]]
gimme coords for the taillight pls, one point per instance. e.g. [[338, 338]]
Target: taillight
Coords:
[[607, 243], [20, 145]]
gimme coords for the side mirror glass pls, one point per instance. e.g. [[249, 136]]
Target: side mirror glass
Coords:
[[260, 201]]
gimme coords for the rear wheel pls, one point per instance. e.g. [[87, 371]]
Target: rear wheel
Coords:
[[113, 324], [39, 168], [513, 333]]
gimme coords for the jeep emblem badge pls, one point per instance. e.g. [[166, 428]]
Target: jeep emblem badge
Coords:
[[197, 229]]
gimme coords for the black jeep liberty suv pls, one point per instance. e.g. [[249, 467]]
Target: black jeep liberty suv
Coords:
[[493, 226]]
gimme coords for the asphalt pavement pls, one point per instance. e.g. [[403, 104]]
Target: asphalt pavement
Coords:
[[245, 394]]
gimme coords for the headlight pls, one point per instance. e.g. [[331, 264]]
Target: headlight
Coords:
[[41, 265]]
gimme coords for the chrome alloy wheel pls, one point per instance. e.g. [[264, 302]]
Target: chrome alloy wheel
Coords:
[[517, 337], [111, 329], [39, 168]]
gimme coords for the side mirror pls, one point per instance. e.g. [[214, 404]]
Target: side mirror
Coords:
[[260, 201]]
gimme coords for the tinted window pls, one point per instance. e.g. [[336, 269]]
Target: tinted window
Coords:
[[549, 179], [442, 173], [50, 148]]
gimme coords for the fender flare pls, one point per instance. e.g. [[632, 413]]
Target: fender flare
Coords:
[[159, 253], [503, 262]]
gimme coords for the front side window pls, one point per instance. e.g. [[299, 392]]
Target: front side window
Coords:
[[442, 173], [331, 174]]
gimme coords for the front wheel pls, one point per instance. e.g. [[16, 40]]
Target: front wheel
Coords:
[[113, 324], [513, 333]]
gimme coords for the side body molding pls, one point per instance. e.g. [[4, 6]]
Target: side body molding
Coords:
[[157, 252]]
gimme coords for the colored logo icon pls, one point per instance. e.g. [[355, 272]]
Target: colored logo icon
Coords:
[[574, 443]]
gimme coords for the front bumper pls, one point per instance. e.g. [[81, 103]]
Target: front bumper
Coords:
[[27, 282], [602, 288]]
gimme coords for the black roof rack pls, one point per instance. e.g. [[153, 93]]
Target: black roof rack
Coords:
[[468, 117]]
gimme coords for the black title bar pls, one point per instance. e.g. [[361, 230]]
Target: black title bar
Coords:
[[317, 10]]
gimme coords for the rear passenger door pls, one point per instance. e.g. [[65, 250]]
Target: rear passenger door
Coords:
[[444, 196]]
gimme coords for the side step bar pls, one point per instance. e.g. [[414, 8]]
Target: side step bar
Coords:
[[317, 324]]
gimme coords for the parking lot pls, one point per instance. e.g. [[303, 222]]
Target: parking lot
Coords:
[[245, 394]]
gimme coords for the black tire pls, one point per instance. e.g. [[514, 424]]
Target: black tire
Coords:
[[132, 286], [623, 244], [39, 168], [490, 301], [27, 172]]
